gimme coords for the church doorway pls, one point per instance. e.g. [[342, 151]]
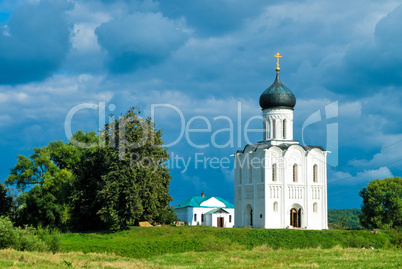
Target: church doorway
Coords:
[[295, 217], [220, 222], [249, 216]]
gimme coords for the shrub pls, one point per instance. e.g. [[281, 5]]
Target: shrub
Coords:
[[8, 234], [29, 238]]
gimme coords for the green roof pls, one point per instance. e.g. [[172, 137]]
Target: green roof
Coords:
[[196, 201], [216, 209]]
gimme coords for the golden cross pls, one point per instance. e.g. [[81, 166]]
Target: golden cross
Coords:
[[277, 55]]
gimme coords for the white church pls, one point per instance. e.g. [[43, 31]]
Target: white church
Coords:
[[206, 210], [278, 182]]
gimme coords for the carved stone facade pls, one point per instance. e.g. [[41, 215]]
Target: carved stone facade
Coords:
[[278, 182]]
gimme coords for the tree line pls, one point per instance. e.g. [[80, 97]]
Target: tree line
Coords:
[[344, 218], [109, 180]]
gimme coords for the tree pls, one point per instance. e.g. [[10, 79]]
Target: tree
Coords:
[[38, 169], [85, 201], [6, 201], [166, 216], [125, 181], [121, 199], [39, 207], [382, 204], [140, 146], [342, 221], [47, 174], [109, 181]]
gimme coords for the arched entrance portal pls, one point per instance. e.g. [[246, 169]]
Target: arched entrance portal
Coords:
[[249, 216], [295, 217]]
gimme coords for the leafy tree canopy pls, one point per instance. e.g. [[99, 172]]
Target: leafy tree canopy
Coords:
[[39, 208], [38, 169], [47, 175], [6, 201], [50, 166], [382, 204], [126, 181], [111, 180]]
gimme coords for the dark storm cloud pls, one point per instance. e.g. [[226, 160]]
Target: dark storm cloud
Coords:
[[34, 42], [139, 40], [371, 65]]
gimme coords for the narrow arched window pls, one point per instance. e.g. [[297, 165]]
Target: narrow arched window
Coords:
[[250, 171], [315, 173], [274, 172], [276, 207], [295, 173], [283, 129], [239, 164], [273, 129], [315, 208], [195, 217]]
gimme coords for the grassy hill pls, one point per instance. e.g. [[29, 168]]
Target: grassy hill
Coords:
[[154, 241]]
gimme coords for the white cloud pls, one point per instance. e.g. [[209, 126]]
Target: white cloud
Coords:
[[360, 178], [389, 155], [13, 97]]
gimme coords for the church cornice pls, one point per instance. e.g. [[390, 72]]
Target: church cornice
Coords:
[[284, 147]]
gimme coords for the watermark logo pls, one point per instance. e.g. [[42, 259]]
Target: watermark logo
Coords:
[[236, 133], [332, 134]]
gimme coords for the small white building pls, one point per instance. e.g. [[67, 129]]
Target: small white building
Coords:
[[209, 211], [278, 182]]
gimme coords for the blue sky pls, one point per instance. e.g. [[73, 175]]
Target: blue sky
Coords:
[[206, 62]]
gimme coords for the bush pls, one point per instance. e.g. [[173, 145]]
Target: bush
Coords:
[[8, 234], [29, 238], [397, 237]]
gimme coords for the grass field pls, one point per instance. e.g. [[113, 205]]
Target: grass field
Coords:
[[259, 257], [209, 247], [155, 241]]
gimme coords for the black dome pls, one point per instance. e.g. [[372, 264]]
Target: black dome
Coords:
[[277, 95]]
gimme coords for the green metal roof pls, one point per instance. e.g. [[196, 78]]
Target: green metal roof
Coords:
[[196, 201], [216, 209]]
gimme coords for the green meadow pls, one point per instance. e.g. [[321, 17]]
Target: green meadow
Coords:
[[209, 247], [154, 241]]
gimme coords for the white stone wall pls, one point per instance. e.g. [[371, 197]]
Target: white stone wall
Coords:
[[213, 218], [187, 214], [273, 124], [255, 189]]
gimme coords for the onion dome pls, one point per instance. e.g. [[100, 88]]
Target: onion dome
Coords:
[[277, 95]]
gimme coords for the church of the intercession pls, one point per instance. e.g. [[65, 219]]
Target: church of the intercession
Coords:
[[278, 182]]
